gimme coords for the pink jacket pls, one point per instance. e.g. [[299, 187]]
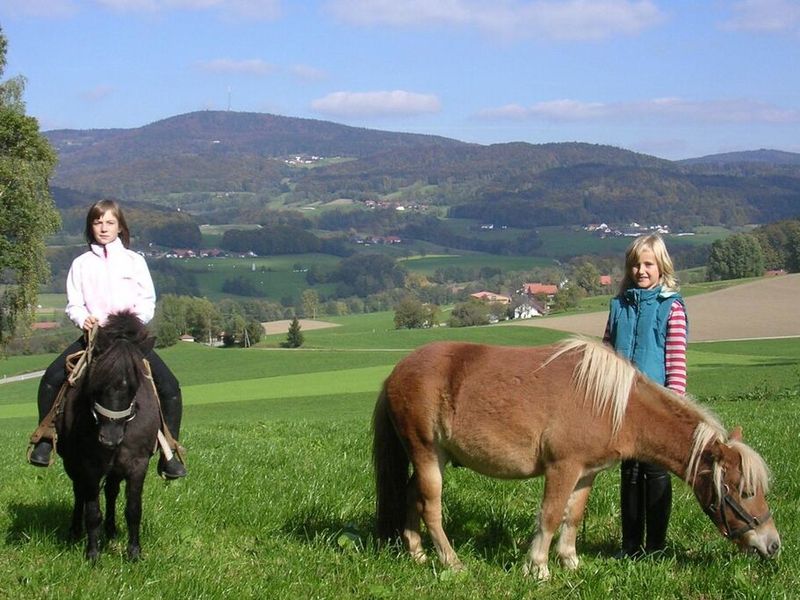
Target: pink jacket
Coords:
[[109, 279]]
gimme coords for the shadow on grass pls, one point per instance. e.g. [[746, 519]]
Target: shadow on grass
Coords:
[[316, 525], [37, 520]]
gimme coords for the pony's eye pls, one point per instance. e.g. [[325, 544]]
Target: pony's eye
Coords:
[[747, 494]]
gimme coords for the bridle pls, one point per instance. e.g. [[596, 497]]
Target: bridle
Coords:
[[115, 415], [98, 409], [716, 510]]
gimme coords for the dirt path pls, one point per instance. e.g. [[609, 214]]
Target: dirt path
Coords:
[[766, 308], [272, 327]]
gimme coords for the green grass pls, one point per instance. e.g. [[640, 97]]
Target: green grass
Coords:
[[279, 500], [273, 277], [428, 265]]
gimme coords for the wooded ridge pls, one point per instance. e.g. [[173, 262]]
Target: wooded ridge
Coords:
[[297, 162]]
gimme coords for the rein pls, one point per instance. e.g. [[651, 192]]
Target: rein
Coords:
[[751, 522]]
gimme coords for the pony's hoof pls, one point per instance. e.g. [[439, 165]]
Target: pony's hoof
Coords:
[[419, 557], [134, 553], [92, 556], [570, 562], [537, 572]]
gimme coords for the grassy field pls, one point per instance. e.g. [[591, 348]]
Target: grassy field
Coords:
[[279, 500]]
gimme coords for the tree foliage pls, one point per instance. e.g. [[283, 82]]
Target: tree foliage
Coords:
[[780, 243], [411, 313], [468, 314], [735, 257], [294, 337], [365, 274], [27, 212]]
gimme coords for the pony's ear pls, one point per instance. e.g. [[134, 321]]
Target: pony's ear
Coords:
[[148, 344], [736, 434]]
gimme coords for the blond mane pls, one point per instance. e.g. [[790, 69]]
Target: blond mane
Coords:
[[606, 380], [755, 473], [602, 376]]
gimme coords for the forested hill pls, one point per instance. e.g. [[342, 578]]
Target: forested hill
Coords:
[[224, 133], [290, 162]]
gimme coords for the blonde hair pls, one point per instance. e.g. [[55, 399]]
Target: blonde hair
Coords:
[[655, 244]]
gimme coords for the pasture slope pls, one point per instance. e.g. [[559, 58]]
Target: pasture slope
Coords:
[[279, 498], [767, 308]]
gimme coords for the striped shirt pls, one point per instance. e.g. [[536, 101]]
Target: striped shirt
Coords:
[[675, 350]]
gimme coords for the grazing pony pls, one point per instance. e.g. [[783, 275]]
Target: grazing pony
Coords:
[[566, 412], [107, 431]]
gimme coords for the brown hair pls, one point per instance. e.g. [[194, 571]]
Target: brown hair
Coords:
[[97, 210], [656, 245]]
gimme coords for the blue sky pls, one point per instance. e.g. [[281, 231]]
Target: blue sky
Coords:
[[672, 78]]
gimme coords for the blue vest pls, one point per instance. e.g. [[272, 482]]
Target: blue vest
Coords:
[[638, 327]]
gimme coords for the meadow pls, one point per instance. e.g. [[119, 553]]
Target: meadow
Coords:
[[279, 499]]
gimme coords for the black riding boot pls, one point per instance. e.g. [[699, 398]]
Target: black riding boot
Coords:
[[632, 509], [40, 455], [172, 409], [659, 505]]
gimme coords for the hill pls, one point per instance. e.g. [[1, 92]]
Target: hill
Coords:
[[764, 157], [217, 163]]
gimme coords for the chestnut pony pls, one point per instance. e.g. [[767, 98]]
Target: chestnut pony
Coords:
[[566, 412], [107, 431]]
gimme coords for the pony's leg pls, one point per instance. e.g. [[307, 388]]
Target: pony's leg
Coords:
[[93, 519], [76, 525], [411, 533], [133, 510], [112, 491], [560, 480], [429, 504], [573, 515]]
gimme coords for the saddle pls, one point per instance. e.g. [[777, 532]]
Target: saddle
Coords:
[[76, 365]]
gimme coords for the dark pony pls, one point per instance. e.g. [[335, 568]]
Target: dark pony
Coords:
[[108, 430], [566, 412]]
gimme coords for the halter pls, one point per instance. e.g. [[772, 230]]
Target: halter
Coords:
[[751, 522], [128, 414]]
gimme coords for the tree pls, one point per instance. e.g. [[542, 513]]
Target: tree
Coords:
[[411, 313], [587, 277], [466, 314], [780, 243], [27, 212], [294, 338], [569, 296], [735, 257], [310, 300]]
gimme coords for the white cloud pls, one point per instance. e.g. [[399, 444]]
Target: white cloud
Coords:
[[672, 109], [254, 66], [377, 104], [765, 16], [40, 8], [554, 19], [256, 9]]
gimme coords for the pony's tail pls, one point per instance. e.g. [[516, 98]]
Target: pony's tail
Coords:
[[391, 472]]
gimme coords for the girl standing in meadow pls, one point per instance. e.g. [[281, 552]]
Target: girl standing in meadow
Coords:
[[110, 278], [647, 324]]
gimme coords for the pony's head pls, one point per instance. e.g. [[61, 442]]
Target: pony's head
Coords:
[[114, 375], [730, 481]]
